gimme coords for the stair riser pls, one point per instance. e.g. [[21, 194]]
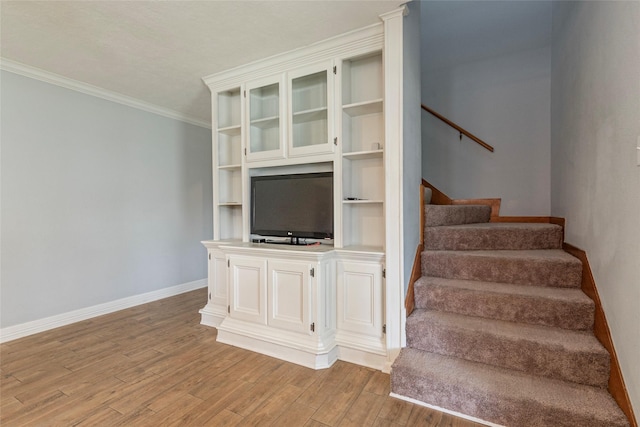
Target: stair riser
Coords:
[[535, 272], [532, 357], [438, 238], [436, 215], [486, 406], [513, 308]]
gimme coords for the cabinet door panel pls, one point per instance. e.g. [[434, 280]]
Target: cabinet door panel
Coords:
[[248, 292], [359, 302], [288, 296], [218, 279]]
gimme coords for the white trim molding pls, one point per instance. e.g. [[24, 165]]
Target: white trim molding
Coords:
[[29, 328], [446, 411], [87, 89]]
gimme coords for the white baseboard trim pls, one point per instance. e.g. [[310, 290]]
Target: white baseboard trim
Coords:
[[29, 328], [446, 411]]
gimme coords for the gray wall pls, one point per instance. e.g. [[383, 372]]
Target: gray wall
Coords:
[[505, 102], [412, 144], [595, 180], [99, 201], [499, 91]]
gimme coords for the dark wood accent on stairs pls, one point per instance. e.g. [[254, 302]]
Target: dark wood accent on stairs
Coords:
[[457, 127], [616, 387], [416, 271]]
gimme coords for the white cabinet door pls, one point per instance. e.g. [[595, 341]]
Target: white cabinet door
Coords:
[[248, 284], [289, 295], [218, 278], [360, 299], [310, 112], [265, 114]]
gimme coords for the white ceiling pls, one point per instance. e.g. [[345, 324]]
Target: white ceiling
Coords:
[[158, 51]]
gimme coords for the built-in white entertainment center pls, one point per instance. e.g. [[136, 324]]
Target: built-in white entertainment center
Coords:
[[330, 113]]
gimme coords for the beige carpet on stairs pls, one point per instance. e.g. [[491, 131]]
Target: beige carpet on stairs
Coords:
[[501, 331]]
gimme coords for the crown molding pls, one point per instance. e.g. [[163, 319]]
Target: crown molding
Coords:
[[58, 80]]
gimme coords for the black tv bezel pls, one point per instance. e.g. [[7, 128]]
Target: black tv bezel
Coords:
[[291, 233]]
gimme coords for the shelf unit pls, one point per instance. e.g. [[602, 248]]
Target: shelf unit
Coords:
[[227, 161], [315, 109], [363, 177]]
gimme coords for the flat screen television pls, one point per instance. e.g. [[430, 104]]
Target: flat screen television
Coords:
[[295, 206]]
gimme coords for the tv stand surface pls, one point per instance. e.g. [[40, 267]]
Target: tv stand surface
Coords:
[[297, 241]]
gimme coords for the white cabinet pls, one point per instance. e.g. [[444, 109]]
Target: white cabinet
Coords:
[[248, 289], [336, 106], [289, 293], [271, 292], [360, 305], [281, 303], [217, 292]]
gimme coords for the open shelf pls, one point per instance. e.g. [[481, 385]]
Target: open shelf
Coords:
[[230, 130], [230, 167], [363, 224], [230, 220], [362, 79], [363, 155], [363, 108], [229, 116]]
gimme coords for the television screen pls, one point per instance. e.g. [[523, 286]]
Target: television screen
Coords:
[[293, 205]]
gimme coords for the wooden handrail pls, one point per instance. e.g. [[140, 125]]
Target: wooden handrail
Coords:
[[458, 128]]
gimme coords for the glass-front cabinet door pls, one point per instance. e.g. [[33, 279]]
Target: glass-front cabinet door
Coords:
[[265, 111], [310, 110]]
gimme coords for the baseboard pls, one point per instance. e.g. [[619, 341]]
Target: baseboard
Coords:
[[11, 333], [616, 384], [446, 411]]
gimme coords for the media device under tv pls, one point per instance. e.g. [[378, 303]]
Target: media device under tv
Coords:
[[295, 206]]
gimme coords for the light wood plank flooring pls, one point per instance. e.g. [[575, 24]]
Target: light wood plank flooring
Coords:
[[155, 365]]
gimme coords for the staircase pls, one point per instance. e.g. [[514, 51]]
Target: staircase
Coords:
[[501, 331]]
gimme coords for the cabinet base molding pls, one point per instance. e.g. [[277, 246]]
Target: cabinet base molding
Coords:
[[283, 348], [364, 358], [212, 315]]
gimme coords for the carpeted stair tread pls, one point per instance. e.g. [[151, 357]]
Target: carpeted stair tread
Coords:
[[435, 215], [541, 267], [567, 308], [494, 235], [540, 350], [501, 396]]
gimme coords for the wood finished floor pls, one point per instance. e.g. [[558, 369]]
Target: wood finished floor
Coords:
[[155, 365]]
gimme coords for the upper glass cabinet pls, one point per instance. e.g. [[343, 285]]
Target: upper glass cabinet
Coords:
[[265, 112], [311, 115]]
